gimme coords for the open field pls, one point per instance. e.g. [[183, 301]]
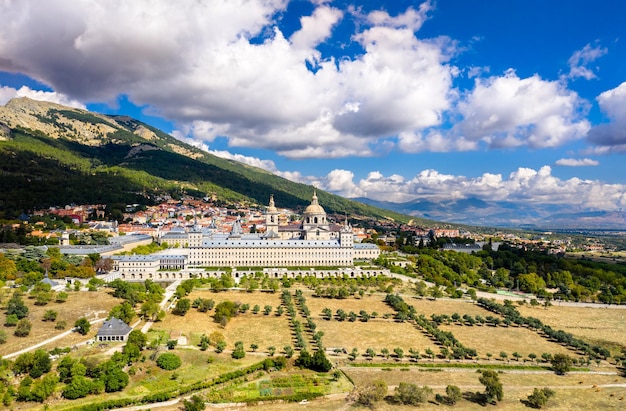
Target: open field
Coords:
[[376, 334], [594, 324], [487, 339], [369, 303], [263, 330], [89, 304], [575, 391], [446, 306]]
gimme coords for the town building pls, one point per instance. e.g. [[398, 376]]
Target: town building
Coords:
[[313, 242]]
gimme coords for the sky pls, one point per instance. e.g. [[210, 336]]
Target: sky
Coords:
[[389, 100]]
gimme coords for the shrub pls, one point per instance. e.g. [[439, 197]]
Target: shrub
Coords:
[[23, 328], [50, 315], [169, 361]]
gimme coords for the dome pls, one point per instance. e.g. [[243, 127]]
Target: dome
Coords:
[[314, 207]]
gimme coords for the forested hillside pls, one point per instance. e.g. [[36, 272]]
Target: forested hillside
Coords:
[[54, 155]]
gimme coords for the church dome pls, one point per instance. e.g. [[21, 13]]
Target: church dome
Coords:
[[314, 207]]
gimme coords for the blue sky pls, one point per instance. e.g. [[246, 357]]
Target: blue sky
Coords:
[[397, 100]]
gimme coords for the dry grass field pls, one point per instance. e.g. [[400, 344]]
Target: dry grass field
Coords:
[[486, 339], [263, 330], [595, 324], [368, 303], [89, 304], [446, 306], [376, 334]]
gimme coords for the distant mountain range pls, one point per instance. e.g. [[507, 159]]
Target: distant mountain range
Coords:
[[474, 211]]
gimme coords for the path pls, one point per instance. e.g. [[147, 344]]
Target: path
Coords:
[[169, 292], [49, 340]]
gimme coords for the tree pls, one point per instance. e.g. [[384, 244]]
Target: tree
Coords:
[[78, 387], [561, 363], [224, 311], [111, 374], [370, 353], [150, 310], [82, 326], [370, 393], [238, 352], [195, 403], [137, 338], [271, 350], [182, 306], [23, 328], [169, 361], [411, 394], [453, 395], [3, 337], [539, 398], [493, 386], [50, 315], [267, 309], [254, 347], [124, 312], [16, 306]]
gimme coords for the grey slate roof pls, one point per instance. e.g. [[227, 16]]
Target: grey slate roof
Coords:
[[114, 326]]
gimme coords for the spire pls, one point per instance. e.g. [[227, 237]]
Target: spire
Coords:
[[271, 207], [314, 199]]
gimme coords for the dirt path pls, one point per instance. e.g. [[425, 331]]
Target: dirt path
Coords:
[[49, 340]]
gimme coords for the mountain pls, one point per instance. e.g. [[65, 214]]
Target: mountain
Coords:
[[477, 212], [52, 155]]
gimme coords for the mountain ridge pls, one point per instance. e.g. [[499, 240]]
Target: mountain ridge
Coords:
[[478, 212], [55, 155]]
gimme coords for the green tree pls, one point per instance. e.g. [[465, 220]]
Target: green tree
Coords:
[[370, 393], [182, 306], [195, 403], [50, 315], [137, 338], [78, 387], [82, 326], [169, 361], [16, 306], [124, 312], [493, 387], [23, 328], [561, 363], [411, 394], [539, 398]]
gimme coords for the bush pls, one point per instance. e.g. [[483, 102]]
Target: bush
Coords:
[[23, 328], [11, 320], [50, 315], [82, 326], [539, 397], [169, 361]]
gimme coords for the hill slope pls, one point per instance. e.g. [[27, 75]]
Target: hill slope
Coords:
[[55, 155]]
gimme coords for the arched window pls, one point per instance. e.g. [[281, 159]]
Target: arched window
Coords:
[[315, 220]]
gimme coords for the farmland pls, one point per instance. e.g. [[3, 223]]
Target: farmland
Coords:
[[346, 342]]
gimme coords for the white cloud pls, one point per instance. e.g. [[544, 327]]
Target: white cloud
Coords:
[[196, 63], [524, 184], [576, 162], [411, 19], [508, 111], [613, 103], [579, 61], [8, 93]]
